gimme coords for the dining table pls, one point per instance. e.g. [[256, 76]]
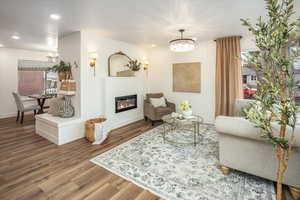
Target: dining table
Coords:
[[41, 99]]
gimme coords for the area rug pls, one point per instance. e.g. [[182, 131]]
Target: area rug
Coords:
[[182, 172]]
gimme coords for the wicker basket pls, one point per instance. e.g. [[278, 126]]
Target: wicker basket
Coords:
[[68, 87], [90, 128]]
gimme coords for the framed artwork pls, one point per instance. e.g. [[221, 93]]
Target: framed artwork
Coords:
[[187, 77]]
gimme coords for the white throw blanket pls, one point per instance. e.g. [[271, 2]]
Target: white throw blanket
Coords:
[[100, 133]]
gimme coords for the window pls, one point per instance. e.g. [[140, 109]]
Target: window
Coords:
[[249, 77], [37, 82], [244, 79], [30, 82], [34, 77], [297, 77]]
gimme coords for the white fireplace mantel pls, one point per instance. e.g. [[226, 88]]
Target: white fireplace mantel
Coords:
[[123, 86]]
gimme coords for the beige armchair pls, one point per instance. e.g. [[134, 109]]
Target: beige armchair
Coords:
[[155, 114], [242, 148], [25, 105]]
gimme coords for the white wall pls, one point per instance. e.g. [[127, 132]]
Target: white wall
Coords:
[[97, 92], [248, 44], [100, 90], [160, 75], [69, 48], [9, 76], [114, 87]]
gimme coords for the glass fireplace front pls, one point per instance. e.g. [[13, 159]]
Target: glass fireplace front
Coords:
[[125, 103]]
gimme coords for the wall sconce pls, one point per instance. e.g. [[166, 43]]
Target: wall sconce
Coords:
[[146, 65], [92, 61]]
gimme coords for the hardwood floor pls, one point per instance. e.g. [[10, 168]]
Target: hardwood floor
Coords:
[[33, 168]]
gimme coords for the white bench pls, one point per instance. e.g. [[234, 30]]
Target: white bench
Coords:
[[59, 130]]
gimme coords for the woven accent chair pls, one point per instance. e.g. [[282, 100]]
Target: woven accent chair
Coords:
[[24, 105]]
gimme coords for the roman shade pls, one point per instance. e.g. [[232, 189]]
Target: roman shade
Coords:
[[34, 65]]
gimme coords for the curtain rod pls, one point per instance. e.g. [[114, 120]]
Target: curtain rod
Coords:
[[228, 37]]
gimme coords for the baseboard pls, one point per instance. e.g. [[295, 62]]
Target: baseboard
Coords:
[[122, 123], [3, 116], [8, 115]]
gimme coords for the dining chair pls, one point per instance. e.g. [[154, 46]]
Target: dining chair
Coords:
[[25, 105]]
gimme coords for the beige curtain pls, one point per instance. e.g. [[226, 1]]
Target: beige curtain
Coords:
[[229, 85]]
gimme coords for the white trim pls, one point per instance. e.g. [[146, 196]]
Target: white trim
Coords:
[[7, 115], [14, 114], [57, 121], [83, 74], [119, 124]]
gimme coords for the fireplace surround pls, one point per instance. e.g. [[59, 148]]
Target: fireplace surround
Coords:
[[124, 103]]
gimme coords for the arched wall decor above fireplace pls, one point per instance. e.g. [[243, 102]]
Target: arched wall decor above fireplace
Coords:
[[121, 65]]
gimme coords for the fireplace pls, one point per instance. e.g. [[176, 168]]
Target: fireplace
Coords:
[[125, 103]]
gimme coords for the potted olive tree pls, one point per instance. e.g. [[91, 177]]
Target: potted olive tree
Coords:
[[275, 102]]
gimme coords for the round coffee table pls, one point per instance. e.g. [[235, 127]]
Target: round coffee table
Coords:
[[187, 126]]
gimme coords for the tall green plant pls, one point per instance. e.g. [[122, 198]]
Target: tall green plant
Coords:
[[275, 103]]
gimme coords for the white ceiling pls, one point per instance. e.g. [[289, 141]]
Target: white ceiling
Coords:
[[143, 22]]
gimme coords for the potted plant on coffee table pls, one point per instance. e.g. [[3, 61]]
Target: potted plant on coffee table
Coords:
[[186, 109]]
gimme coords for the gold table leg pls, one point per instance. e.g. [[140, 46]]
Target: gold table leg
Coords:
[[295, 192], [164, 134], [195, 132], [225, 170]]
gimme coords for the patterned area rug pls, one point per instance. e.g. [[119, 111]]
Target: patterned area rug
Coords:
[[182, 172]]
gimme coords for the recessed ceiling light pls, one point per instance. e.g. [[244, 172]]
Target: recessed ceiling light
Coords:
[[1, 45], [15, 37], [55, 16], [153, 45]]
